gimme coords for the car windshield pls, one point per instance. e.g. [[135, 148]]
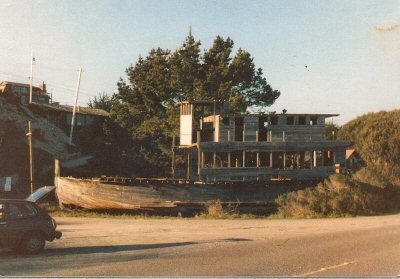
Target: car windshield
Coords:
[[40, 193]]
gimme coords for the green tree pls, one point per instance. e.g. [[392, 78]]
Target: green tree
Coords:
[[103, 101], [147, 102]]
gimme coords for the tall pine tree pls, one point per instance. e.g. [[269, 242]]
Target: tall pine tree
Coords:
[[147, 102]]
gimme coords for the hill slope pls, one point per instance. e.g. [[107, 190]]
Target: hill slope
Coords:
[[376, 137]]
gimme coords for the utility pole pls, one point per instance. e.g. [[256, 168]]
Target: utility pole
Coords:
[[31, 79], [29, 134], [76, 102]]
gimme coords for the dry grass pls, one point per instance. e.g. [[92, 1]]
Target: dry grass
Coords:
[[341, 196]]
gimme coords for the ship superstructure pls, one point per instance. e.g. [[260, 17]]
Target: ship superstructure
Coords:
[[219, 145]]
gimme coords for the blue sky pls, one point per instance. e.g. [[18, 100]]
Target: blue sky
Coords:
[[351, 48]]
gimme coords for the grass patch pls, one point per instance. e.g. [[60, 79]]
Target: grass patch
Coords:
[[212, 210]]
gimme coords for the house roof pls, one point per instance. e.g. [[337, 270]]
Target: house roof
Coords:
[[349, 153], [66, 108]]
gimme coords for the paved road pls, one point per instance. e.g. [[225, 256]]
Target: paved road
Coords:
[[348, 246]]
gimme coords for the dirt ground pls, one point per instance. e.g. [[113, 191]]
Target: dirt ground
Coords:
[[317, 247]]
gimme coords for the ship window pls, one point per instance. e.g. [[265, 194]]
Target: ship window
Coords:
[[313, 120], [221, 160], [265, 159], [308, 159], [290, 120], [277, 160], [251, 159], [274, 120], [328, 158], [302, 120], [292, 160], [208, 158], [319, 158], [236, 159]]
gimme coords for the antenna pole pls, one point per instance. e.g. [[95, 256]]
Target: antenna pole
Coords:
[[31, 79], [76, 102], [29, 134]]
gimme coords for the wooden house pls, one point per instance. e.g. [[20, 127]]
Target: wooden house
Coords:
[[219, 145], [20, 92], [61, 115]]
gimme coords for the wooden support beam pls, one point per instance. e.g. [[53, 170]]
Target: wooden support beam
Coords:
[[173, 158], [315, 158], [198, 153], [214, 160], [188, 165], [284, 160], [270, 159]]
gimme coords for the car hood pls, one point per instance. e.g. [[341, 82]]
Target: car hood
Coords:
[[40, 193]]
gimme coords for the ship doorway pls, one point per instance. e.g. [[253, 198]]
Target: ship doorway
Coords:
[[239, 127]]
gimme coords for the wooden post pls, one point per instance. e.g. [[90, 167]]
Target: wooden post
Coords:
[[198, 154], [188, 169], [315, 158], [270, 136], [56, 172], [214, 159], [284, 160], [229, 136], [258, 153], [56, 168], [244, 159], [229, 159], [173, 157], [270, 159]]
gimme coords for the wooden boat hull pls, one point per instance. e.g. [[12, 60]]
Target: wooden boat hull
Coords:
[[153, 194]]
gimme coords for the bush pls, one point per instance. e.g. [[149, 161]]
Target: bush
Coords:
[[339, 195], [215, 210]]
